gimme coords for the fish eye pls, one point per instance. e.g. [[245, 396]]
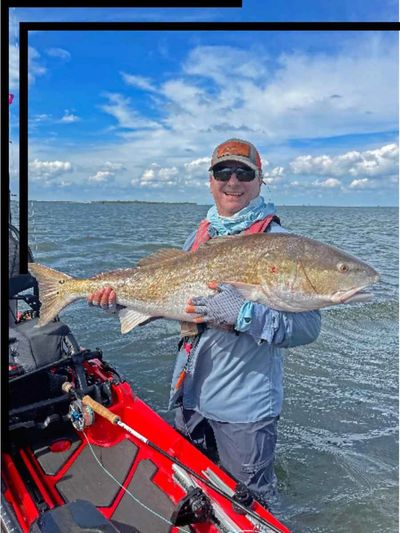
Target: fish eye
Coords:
[[343, 267]]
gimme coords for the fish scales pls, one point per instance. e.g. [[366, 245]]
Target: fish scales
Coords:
[[284, 271]]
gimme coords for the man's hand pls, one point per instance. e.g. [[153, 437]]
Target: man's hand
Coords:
[[106, 298], [220, 309]]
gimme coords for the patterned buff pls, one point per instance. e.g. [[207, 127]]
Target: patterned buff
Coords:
[[256, 210]]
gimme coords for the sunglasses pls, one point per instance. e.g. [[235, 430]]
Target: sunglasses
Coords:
[[242, 174]]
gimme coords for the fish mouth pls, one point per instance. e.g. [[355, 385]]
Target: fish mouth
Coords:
[[352, 295]]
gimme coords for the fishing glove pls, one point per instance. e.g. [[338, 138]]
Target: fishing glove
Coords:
[[220, 309]]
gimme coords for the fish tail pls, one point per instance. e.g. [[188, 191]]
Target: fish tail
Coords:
[[53, 295]]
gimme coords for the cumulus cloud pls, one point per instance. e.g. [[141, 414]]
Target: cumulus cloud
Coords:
[[101, 176], [273, 176], [59, 52], [362, 183], [195, 172], [48, 169], [69, 117], [329, 183], [107, 172], [378, 163], [156, 176]]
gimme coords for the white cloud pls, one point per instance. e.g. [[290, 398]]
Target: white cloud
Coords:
[[69, 117], [156, 177], [221, 63], [107, 171], [379, 163], [329, 183], [114, 166], [305, 96], [120, 108], [138, 81], [37, 119], [49, 169], [360, 184], [13, 67], [101, 176], [197, 169], [59, 52], [35, 69], [273, 176]]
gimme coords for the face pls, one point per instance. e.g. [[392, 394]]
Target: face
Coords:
[[233, 195]]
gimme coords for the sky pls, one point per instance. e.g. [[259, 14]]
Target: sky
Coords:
[[135, 115]]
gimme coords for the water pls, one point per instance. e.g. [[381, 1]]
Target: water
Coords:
[[337, 449]]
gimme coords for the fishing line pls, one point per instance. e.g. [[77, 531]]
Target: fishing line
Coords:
[[127, 490], [269, 192], [134, 497]]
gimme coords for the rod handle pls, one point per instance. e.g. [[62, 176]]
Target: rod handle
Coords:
[[100, 409]]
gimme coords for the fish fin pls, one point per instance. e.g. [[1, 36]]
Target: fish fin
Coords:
[[248, 291], [130, 319], [53, 300], [189, 329], [161, 255]]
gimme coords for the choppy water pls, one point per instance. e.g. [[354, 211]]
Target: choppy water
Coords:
[[337, 455]]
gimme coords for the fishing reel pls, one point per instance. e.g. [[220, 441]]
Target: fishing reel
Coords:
[[81, 415], [193, 508]]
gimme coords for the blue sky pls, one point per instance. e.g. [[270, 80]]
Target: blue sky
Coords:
[[135, 115]]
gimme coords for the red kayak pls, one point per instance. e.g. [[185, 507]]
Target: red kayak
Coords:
[[69, 468]]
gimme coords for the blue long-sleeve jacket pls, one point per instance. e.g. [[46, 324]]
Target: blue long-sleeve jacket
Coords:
[[238, 378]]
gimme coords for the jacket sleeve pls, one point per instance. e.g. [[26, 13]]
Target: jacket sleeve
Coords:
[[284, 329], [189, 241]]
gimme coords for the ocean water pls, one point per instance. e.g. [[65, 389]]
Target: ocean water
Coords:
[[337, 453]]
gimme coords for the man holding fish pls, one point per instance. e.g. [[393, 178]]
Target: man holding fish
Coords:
[[227, 383], [243, 289]]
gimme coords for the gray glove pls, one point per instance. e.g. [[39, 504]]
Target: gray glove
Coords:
[[220, 309]]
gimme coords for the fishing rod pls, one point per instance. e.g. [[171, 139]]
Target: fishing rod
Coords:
[[116, 420]]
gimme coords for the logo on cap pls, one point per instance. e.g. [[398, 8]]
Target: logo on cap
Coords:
[[233, 148]]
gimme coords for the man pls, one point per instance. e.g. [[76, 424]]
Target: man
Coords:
[[227, 383]]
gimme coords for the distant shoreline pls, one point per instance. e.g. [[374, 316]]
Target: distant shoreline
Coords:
[[203, 205], [137, 202], [112, 202]]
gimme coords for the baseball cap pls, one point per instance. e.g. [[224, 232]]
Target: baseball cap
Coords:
[[237, 150]]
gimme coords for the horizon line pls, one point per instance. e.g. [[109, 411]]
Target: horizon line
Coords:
[[199, 204]]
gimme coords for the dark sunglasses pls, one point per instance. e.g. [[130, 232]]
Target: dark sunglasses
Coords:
[[242, 174]]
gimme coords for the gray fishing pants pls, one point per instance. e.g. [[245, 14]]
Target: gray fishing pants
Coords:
[[246, 451]]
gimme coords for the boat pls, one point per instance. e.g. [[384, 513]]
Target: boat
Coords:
[[85, 453]]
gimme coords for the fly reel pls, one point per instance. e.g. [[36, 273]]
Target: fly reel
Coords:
[[81, 415]]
